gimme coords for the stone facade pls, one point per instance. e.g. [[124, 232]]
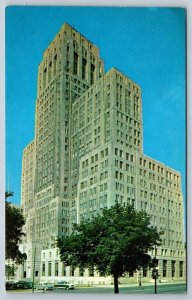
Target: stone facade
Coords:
[[87, 153]]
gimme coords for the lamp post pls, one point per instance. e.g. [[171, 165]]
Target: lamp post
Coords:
[[139, 277], [34, 257], [155, 270]]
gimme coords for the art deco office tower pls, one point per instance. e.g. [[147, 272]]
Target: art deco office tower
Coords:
[[70, 65], [87, 152]]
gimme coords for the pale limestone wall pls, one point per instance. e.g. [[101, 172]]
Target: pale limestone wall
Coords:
[[53, 270], [27, 188], [88, 151]]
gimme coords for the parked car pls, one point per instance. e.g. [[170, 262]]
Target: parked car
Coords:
[[49, 286], [21, 284], [65, 284], [39, 287], [10, 285]]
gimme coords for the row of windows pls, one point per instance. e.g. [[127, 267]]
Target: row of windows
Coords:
[[92, 202], [142, 273], [120, 153], [160, 170], [55, 272], [130, 139], [94, 158], [122, 80]]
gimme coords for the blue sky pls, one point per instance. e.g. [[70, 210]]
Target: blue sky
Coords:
[[147, 44]]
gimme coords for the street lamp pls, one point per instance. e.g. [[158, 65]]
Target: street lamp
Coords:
[[34, 258], [155, 270], [139, 277]]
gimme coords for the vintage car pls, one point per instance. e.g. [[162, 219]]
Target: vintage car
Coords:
[[65, 284]]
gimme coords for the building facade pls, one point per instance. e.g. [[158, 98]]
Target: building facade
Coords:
[[86, 154]]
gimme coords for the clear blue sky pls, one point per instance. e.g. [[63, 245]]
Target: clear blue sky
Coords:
[[147, 44]]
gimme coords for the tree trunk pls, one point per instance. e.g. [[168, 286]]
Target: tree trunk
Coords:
[[116, 287]]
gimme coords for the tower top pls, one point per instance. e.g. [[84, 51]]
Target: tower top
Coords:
[[69, 32]]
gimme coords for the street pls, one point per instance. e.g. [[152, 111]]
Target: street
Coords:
[[179, 288]]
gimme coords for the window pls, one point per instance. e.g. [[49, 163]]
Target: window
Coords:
[[91, 272], [43, 269], [64, 270], [181, 269], [164, 268], [75, 63], [72, 271], [84, 64], [121, 176], [81, 272], [56, 269], [144, 271], [49, 269], [92, 73], [173, 268], [131, 274]]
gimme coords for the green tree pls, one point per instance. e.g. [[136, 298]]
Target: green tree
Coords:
[[9, 271], [14, 222], [115, 242]]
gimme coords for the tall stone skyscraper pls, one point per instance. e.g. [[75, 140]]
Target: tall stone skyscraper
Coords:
[[87, 153], [70, 65]]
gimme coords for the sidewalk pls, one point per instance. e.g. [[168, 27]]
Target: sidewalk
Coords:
[[137, 284]]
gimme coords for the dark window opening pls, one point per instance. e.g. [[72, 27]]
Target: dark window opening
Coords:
[[131, 274], [81, 272], [173, 268], [164, 268], [144, 272], [181, 269], [43, 269], [91, 272], [84, 64], [56, 269], [64, 270], [92, 73], [72, 271], [49, 269], [44, 76], [75, 63]]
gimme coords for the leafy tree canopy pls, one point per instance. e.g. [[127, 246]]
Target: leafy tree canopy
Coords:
[[14, 223], [114, 242]]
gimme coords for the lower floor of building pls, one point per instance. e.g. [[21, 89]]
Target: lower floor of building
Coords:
[[46, 266]]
